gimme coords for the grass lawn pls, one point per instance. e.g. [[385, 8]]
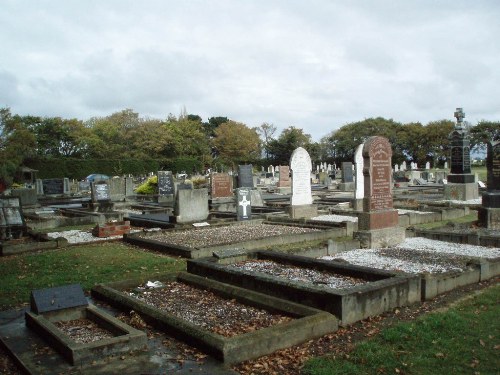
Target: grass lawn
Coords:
[[472, 217], [481, 172], [84, 264], [465, 339]]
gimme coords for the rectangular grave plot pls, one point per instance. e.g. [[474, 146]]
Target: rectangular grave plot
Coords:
[[123, 338], [202, 242], [307, 323], [381, 292]]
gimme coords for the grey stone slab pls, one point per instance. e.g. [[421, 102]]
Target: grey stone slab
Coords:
[[57, 298]]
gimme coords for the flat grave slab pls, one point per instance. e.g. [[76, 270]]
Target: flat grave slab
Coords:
[[442, 266], [294, 323], [252, 234], [317, 283]]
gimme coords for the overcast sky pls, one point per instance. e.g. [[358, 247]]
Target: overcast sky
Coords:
[[315, 64]]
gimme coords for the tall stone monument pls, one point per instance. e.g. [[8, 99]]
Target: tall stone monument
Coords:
[[461, 183], [489, 213], [302, 201], [359, 190], [378, 224]]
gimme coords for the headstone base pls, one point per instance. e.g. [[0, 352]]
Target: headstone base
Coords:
[[491, 199], [346, 186], [380, 238], [302, 211], [284, 190], [357, 204], [461, 192], [166, 200], [489, 217], [461, 178], [223, 204], [378, 220]]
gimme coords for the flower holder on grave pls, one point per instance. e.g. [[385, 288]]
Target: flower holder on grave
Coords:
[[378, 224], [66, 303]]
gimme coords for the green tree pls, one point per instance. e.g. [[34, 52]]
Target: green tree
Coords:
[[266, 132], [185, 138], [484, 132], [281, 149], [236, 143], [212, 124]]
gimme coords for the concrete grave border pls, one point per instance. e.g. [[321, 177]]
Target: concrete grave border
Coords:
[[385, 290], [309, 323], [324, 233], [126, 338]]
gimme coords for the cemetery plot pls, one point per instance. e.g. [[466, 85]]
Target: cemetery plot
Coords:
[[350, 292], [195, 243], [442, 266], [85, 333], [228, 322]]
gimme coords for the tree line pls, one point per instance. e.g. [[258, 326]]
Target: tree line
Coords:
[[218, 143]]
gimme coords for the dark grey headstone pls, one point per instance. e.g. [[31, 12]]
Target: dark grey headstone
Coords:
[[493, 166], [244, 204], [53, 186], [245, 177], [165, 183], [100, 192], [347, 172], [58, 298]]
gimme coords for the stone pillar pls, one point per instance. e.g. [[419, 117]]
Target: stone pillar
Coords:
[[378, 224], [461, 183]]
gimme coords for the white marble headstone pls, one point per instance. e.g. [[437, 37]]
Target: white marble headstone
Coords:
[[403, 165], [359, 193], [427, 165], [301, 166]]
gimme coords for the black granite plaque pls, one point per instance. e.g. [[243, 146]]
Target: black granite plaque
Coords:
[[460, 152], [244, 204], [53, 186], [493, 166], [165, 183], [57, 298], [101, 192], [245, 177], [347, 172]]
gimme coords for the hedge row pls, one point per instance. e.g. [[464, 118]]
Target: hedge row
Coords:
[[79, 169]]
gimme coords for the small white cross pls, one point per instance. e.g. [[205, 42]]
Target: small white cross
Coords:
[[244, 203]]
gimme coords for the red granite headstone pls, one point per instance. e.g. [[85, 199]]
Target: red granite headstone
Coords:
[[284, 180], [377, 172], [222, 185]]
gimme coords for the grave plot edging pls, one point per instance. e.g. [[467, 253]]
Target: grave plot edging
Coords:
[[386, 290], [308, 323]]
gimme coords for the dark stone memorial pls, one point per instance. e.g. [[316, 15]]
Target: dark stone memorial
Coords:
[[58, 298], [245, 176], [379, 222], [461, 182], [244, 204], [100, 192], [347, 172], [53, 186], [489, 213], [165, 183]]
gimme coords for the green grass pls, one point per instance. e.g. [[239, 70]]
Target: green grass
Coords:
[[481, 172], [86, 265], [464, 219], [463, 340]]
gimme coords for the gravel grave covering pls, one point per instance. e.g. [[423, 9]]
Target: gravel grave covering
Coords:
[[428, 245], [302, 274], [335, 218], [78, 236], [401, 260], [83, 331], [402, 211], [226, 235], [205, 309], [463, 203]]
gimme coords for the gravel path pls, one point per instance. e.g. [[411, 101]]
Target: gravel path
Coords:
[[225, 235], [301, 274], [225, 317]]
